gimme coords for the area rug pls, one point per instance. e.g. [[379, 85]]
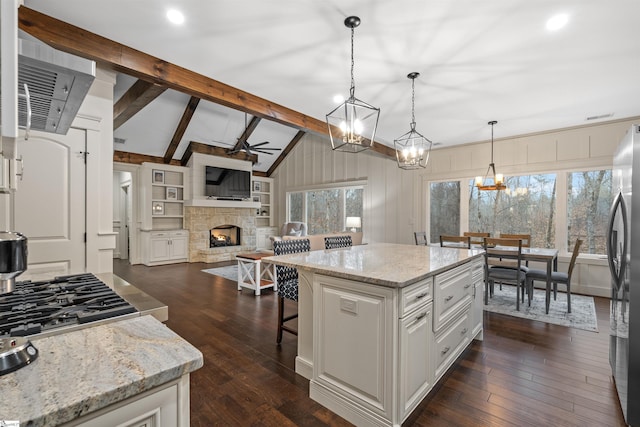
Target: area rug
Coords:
[[228, 272], [582, 316]]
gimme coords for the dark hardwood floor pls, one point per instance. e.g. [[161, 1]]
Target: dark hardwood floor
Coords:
[[524, 373]]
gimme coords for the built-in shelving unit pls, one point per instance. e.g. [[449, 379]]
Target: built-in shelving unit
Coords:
[[262, 191], [164, 188]]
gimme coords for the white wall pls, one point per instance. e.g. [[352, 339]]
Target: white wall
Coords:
[[396, 201]]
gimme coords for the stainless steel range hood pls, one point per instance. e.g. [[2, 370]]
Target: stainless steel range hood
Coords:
[[57, 84]]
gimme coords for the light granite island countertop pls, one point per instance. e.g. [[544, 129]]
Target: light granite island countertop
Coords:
[[384, 264], [379, 324], [129, 368]]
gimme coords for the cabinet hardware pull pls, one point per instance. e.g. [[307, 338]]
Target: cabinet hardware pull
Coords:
[[464, 331], [21, 174], [449, 298], [422, 295], [445, 350], [421, 315], [467, 285]]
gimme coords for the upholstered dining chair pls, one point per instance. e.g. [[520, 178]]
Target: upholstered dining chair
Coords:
[[455, 241], [334, 242], [287, 279], [421, 238], [477, 238], [503, 258], [556, 277]]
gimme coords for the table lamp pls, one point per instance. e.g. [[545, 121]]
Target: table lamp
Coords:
[[353, 222]]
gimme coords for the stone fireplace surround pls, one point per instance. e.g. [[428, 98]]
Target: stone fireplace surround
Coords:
[[200, 220]]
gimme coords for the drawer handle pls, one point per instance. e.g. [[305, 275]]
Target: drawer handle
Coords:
[[464, 331], [449, 298], [422, 295], [445, 350], [421, 315], [467, 286]]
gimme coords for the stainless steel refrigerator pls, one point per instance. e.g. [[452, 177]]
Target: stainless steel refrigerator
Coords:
[[623, 247]]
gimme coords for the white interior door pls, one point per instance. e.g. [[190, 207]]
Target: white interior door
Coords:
[[49, 205]]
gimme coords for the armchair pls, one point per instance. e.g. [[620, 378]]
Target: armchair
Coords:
[[294, 228]]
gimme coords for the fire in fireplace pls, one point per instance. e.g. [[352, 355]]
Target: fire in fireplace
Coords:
[[224, 235]]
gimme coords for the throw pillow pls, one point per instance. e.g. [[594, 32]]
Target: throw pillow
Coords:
[[295, 233]]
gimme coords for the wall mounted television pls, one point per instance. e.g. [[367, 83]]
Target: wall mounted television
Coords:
[[223, 183]]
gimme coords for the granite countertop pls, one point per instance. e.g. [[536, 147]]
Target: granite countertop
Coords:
[[81, 371], [384, 264]]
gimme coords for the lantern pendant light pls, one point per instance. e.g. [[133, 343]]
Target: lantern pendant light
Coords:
[[492, 180], [352, 125], [412, 149]]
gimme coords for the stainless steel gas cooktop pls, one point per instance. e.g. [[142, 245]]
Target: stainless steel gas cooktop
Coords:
[[49, 307]]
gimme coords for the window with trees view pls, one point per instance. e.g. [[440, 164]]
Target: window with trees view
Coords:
[[589, 197], [325, 210], [445, 209], [527, 206]]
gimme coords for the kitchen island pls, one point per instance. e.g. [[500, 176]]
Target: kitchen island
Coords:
[[128, 370], [380, 324]]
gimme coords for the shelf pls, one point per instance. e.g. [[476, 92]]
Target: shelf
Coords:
[[167, 216], [167, 200]]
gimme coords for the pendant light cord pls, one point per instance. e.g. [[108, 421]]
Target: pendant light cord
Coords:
[[352, 91], [413, 103]]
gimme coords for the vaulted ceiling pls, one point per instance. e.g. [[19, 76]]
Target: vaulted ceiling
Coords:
[[259, 71]]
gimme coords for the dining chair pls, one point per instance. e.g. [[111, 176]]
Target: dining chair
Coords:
[[556, 277], [421, 237], [477, 238], [287, 279], [503, 258], [334, 242], [455, 241], [526, 238]]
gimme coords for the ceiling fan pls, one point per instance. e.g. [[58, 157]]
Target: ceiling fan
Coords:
[[257, 148]]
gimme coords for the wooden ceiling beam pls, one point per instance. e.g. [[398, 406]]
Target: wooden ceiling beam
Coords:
[[123, 59], [181, 128], [139, 95], [198, 147], [253, 124], [138, 159]]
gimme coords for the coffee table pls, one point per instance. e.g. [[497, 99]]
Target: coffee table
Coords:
[[251, 276]]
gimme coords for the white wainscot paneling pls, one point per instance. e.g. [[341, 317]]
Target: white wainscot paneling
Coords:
[[574, 145], [542, 149]]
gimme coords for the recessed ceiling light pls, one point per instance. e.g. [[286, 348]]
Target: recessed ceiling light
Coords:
[[557, 21], [175, 16]]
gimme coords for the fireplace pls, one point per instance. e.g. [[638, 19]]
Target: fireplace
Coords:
[[224, 235]]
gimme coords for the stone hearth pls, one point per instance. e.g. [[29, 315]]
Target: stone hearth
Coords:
[[200, 220]]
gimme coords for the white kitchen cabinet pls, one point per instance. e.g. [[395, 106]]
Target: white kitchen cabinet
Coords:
[[376, 352], [416, 373], [163, 406], [477, 310], [165, 247]]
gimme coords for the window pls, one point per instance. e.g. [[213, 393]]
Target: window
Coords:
[[445, 209], [325, 210], [589, 198], [527, 206]]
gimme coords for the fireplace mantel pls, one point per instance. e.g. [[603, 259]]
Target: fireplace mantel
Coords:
[[213, 203]]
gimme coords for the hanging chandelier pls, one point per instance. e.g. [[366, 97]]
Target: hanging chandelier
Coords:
[[412, 149], [492, 180], [352, 124]]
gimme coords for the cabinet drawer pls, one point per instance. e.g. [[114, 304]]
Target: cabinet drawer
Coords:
[[415, 295], [159, 234], [450, 343], [179, 233], [453, 292]]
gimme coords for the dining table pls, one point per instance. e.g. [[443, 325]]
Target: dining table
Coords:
[[549, 256]]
